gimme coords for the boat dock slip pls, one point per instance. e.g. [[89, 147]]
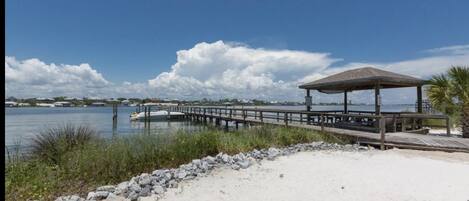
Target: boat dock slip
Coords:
[[386, 130]]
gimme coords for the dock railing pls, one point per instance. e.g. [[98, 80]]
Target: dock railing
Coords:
[[353, 120]]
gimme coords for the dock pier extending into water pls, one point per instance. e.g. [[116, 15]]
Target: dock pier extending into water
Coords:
[[399, 130]]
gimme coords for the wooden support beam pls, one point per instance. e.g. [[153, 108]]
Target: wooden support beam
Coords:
[[322, 122], [285, 118], [448, 129], [382, 131], [345, 103], [377, 100]]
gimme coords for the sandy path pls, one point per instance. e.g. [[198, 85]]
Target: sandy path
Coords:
[[375, 175]]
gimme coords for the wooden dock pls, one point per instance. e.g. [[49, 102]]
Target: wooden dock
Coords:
[[319, 121]]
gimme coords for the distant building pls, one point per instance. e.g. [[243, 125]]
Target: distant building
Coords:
[[151, 104], [10, 104], [62, 104], [44, 105], [24, 104], [125, 102], [98, 104]]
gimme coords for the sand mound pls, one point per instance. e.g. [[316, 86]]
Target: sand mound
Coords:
[[337, 175]]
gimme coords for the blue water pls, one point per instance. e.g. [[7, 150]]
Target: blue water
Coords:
[[23, 123]]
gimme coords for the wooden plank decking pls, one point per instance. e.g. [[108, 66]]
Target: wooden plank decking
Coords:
[[394, 139]]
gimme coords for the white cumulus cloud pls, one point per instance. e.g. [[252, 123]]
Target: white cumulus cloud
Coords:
[[33, 77], [219, 69], [225, 70]]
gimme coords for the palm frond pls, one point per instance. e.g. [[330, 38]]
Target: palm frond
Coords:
[[459, 80]]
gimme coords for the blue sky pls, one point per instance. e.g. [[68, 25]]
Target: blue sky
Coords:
[[136, 41]]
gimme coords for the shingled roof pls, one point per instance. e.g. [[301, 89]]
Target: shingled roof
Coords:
[[362, 79]]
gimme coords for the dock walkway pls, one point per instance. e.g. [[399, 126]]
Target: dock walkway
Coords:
[[389, 139]]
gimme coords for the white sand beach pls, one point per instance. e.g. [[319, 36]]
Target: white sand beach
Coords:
[[336, 175]]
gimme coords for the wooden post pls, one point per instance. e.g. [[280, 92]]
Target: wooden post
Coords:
[[394, 124], [322, 122], [419, 105], [114, 118], [236, 124], [261, 117], [377, 104], [345, 103], [226, 125], [448, 130], [308, 108], [145, 114], [419, 99], [301, 118], [377, 100], [382, 130], [413, 123], [285, 118], [278, 116]]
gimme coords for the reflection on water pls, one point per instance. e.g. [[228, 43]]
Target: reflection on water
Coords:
[[23, 123]]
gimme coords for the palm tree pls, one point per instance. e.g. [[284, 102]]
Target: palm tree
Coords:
[[449, 93]]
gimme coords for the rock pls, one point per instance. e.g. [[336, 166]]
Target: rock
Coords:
[[235, 167], [181, 174], [157, 189], [172, 184], [145, 191], [70, 198], [113, 197], [243, 164], [210, 160], [204, 166], [122, 188], [108, 188], [272, 153], [144, 179], [98, 195], [90, 195], [133, 196], [197, 162], [219, 156], [226, 159], [281, 175], [239, 157], [135, 188], [149, 198], [256, 154], [168, 176]]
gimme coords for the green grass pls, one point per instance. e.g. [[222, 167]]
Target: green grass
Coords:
[[81, 167]]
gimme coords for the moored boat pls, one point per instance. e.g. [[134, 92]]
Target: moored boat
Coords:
[[160, 115]]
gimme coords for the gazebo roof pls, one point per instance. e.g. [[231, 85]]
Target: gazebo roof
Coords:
[[362, 79]]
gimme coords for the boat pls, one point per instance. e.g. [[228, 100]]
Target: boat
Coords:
[[160, 115]]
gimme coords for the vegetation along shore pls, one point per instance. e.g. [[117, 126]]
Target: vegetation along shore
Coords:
[[73, 159]]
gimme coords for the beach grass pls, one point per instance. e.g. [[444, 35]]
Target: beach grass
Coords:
[[85, 161]]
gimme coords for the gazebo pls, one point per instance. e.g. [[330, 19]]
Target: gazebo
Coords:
[[363, 79], [368, 78]]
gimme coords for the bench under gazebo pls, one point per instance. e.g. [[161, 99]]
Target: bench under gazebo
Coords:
[[369, 78]]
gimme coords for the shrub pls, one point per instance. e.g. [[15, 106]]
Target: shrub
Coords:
[[52, 143]]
